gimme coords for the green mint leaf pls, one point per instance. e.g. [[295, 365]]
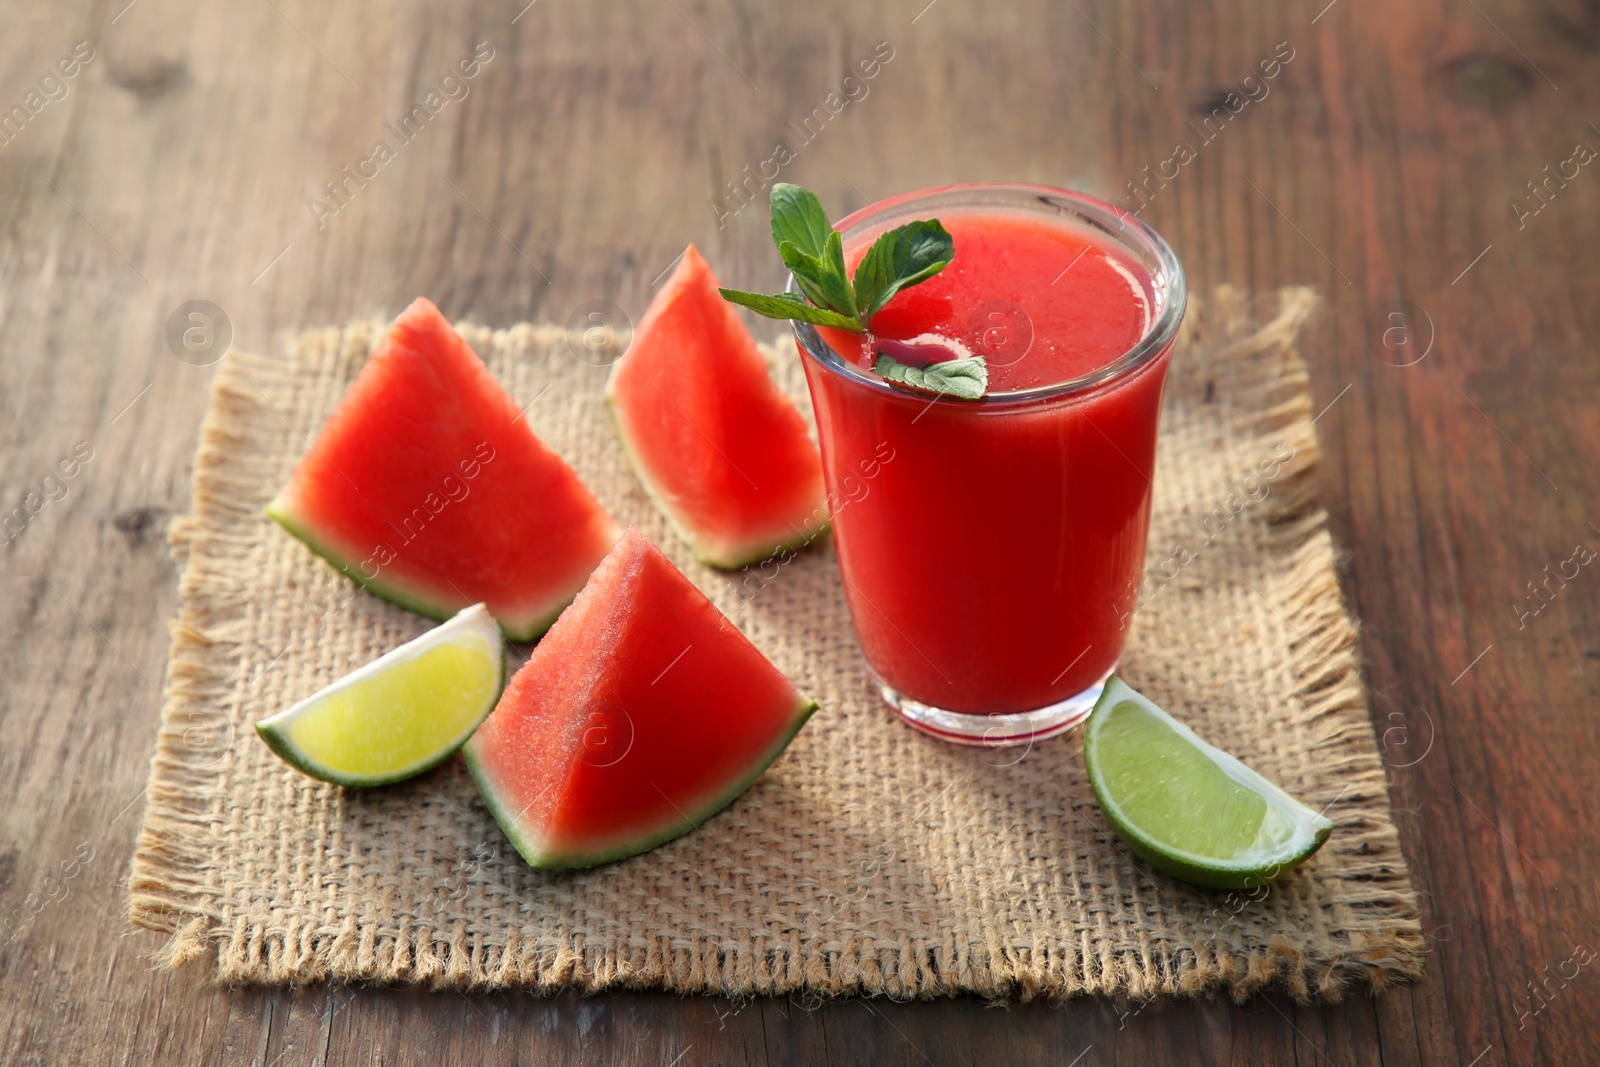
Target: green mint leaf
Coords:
[[898, 259], [797, 217], [814, 253], [789, 306], [819, 280], [838, 277], [967, 378], [807, 271]]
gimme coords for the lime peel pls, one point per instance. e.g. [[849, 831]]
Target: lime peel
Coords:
[[400, 715], [1186, 806]]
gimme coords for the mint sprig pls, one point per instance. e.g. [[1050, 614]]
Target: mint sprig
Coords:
[[966, 379], [814, 253]]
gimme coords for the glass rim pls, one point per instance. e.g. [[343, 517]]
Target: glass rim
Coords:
[[1170, 285]]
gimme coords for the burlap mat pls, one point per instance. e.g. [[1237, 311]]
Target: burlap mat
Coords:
[[869, 859]]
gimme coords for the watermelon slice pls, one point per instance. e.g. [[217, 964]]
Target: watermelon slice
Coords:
[[641, 714], [427, 486], [718, 447]]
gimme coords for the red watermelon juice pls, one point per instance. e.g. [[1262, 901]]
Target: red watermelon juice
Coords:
[[992, 561]]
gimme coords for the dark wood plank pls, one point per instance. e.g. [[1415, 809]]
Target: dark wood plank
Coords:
[[1384, 159]]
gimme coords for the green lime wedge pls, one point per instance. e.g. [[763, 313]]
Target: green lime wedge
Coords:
[[1188, 807], [401, 714]]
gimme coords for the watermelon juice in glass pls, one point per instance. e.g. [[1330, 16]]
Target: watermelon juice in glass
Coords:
[[992, 566]]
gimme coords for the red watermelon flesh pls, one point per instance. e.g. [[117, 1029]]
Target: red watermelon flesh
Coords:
[[641, 714], [427, 486], [717, 445]]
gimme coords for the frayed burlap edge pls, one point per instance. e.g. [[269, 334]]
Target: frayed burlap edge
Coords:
[[171, 891]]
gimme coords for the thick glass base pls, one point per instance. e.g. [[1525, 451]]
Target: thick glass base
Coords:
[[996, 730]]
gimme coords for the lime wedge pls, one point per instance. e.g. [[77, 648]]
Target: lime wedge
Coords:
[[1188, 807], [401, 714]]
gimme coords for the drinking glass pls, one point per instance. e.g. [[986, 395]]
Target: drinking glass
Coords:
[[991, 550]]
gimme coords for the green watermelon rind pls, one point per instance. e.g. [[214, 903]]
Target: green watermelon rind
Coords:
[[741, 555], [279, 742], [299, 529], [537, 857]]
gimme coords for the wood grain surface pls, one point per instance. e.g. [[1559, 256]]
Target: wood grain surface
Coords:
[[1387, 161]]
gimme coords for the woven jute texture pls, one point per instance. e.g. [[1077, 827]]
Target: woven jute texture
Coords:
[[870, 858]]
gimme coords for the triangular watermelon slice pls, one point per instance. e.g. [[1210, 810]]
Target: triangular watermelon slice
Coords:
[[719, 448], [427, 486], [641, 714]]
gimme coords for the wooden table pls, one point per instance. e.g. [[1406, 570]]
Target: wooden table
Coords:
[[1387, 162]]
